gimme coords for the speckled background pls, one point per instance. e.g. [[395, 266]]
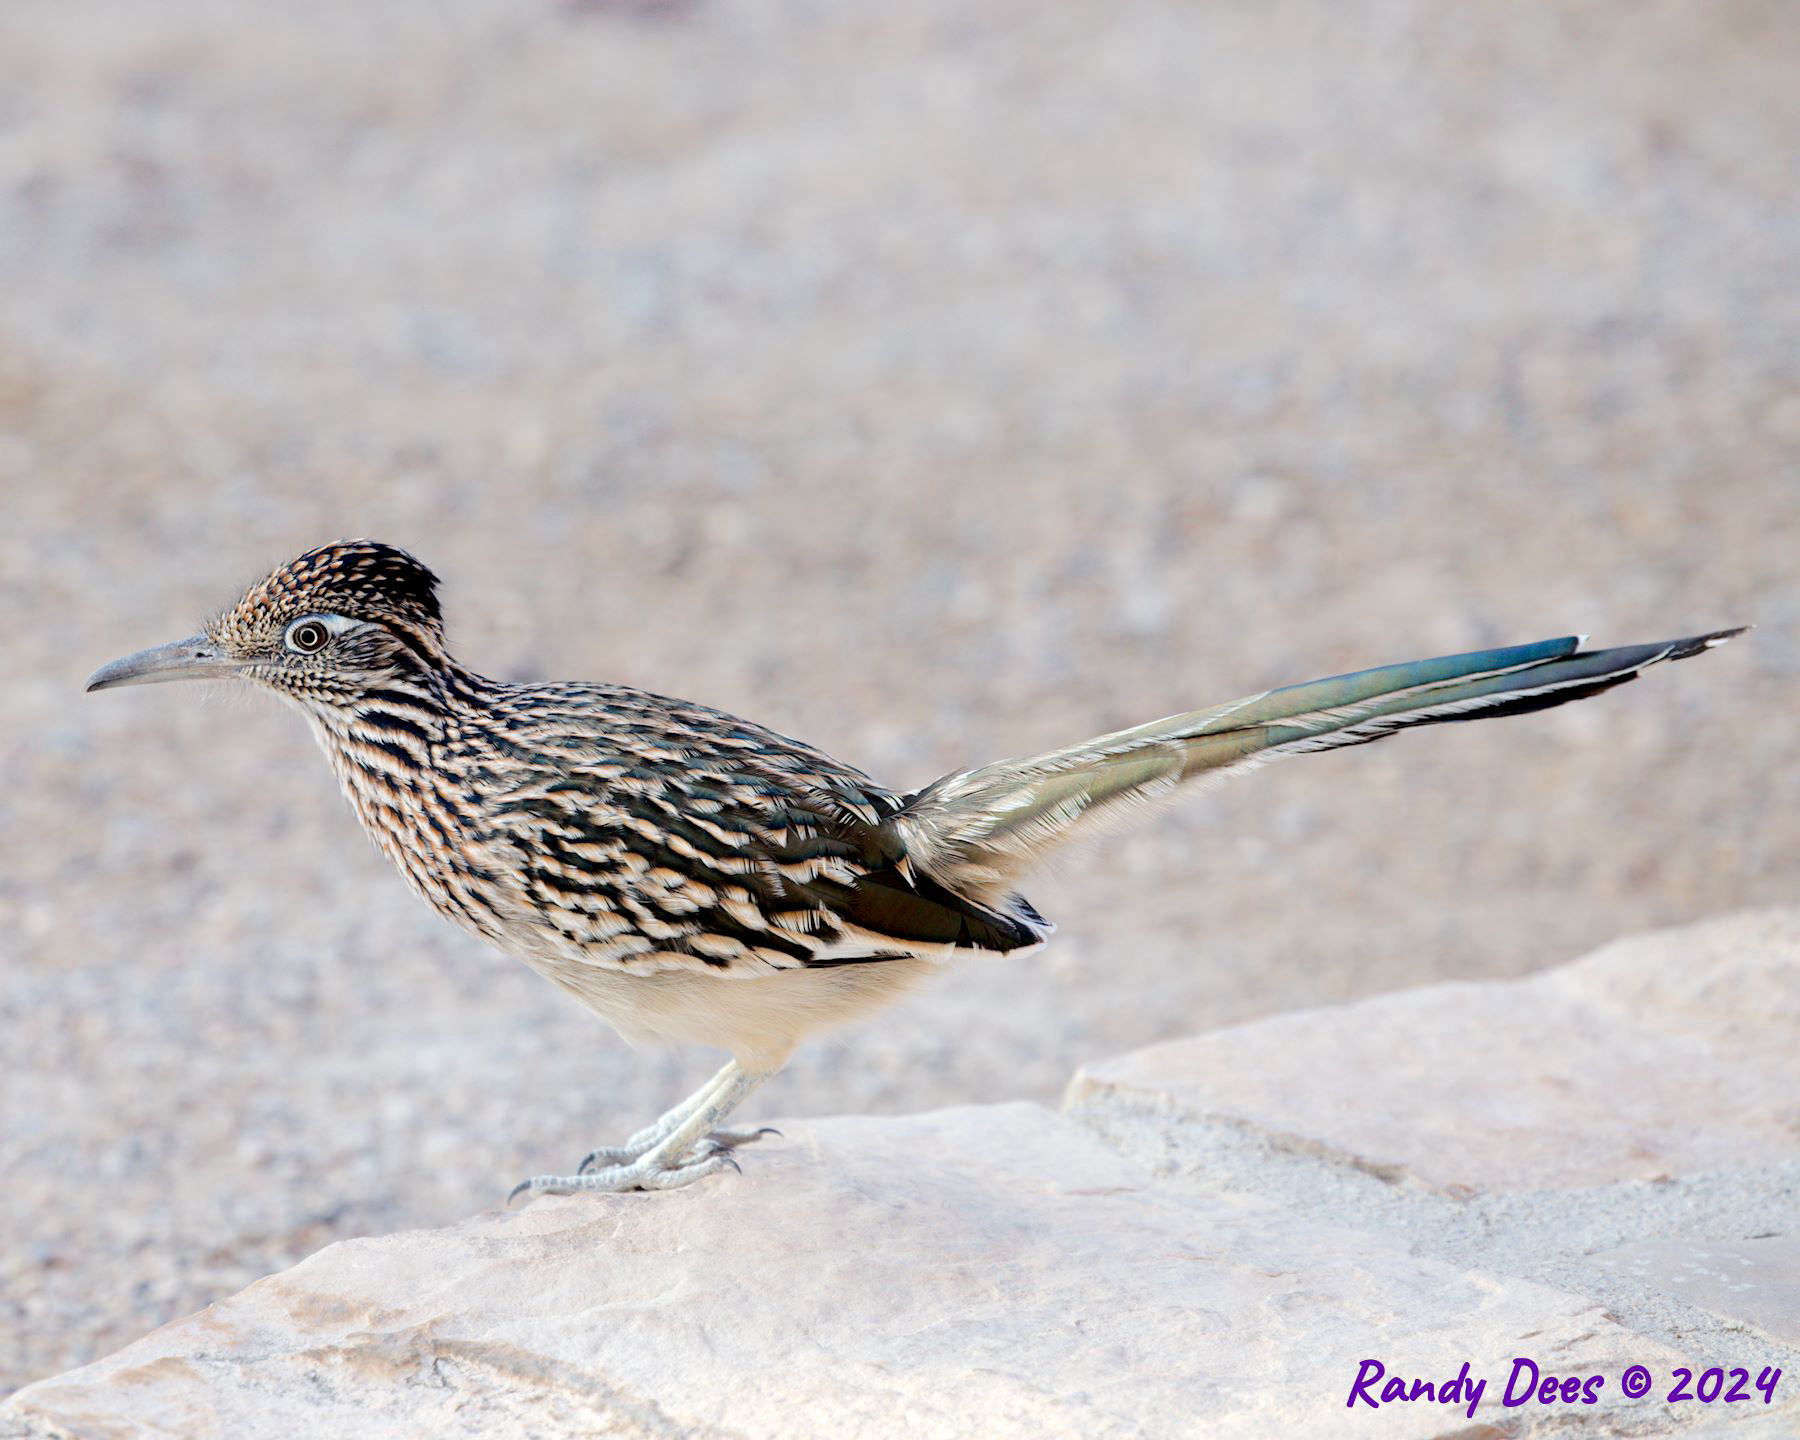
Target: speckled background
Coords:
[[932, 383]]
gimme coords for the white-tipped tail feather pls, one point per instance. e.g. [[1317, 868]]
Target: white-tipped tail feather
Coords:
[[979, 830]]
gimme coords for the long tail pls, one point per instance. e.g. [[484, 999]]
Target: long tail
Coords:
[[979, 830]]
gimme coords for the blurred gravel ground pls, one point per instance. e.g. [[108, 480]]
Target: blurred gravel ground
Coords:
[[929, 383]]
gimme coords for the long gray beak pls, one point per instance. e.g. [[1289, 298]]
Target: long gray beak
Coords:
[[190, 659]]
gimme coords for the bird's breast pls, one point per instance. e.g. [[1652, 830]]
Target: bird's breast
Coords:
[[421, 820]]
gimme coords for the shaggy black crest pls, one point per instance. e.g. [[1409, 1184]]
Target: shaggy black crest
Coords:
[[381, 577]]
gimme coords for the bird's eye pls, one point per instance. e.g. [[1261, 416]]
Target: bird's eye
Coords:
[[307, 636]]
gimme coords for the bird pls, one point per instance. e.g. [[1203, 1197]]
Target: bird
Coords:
[[695, 878]]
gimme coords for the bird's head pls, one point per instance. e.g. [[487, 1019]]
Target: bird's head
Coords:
[[321, 630]]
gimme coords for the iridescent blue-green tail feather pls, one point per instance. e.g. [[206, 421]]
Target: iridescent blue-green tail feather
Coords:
[[977, 830]]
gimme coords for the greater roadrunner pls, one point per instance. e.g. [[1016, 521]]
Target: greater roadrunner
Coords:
[[694, 877]]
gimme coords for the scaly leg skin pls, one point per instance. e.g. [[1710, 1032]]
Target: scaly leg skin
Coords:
[[677, 1150], [660, 1129]]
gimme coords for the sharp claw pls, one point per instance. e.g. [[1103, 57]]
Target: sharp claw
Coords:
[[770, 1130], [730, 1140], [731, 1160], [587, 1164], [517, 1190]]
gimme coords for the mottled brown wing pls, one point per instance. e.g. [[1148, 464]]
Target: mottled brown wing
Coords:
[[644, 833]]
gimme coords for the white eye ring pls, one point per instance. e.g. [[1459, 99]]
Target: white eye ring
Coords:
[[307, 636], [311, 633]]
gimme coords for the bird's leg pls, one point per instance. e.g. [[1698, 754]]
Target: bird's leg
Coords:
[[661, 1128], [685, 1151], [657, 1130]]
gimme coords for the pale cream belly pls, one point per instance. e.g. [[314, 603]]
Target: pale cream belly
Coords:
[[759, 1019]]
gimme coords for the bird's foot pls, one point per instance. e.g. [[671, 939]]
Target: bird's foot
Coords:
[[612, 1156], [645, 1172], [677, 1150]]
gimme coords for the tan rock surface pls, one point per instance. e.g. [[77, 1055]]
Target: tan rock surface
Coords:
[[1755, 1279], [931, 382], [1673, 1054], [976, 1272], [1003, 1271]]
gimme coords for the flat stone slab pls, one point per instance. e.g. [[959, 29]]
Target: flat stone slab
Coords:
[[1219, 1238], [1663, 1055], [993, 1271], [1755, 1281]]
